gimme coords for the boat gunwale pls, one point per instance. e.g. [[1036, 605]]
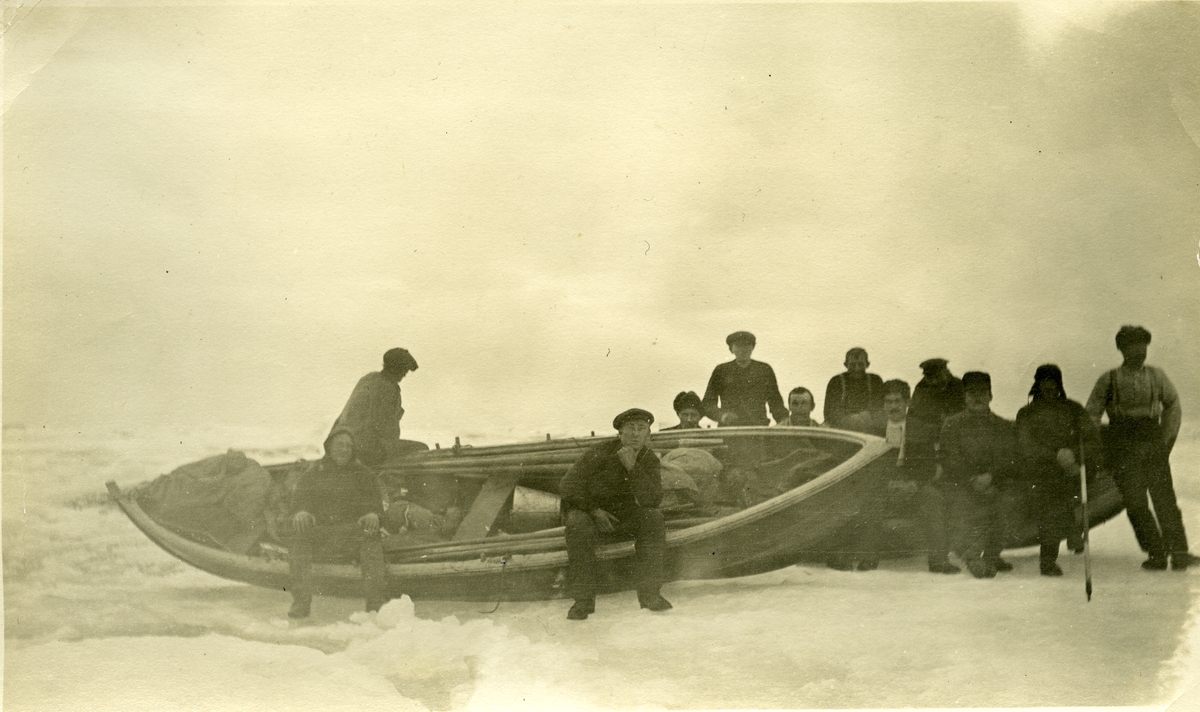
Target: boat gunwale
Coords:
[[207, 558]]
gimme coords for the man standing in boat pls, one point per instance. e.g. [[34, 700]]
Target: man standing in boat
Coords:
[[742, 390], [854, 391], [1143, 421], [373, 411], [614, 490]]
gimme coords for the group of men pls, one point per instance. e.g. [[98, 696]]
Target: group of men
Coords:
[[959, 461], [955, 460]]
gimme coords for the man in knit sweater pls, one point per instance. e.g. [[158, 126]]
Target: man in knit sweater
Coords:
[[742, 390]]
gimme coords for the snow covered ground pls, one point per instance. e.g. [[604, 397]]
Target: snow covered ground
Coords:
[[97, 617]]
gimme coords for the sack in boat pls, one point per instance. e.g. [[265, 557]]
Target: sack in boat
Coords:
[[220, 497], [701, 470]]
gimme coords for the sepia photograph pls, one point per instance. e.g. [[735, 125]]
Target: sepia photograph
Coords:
[[551, 355]]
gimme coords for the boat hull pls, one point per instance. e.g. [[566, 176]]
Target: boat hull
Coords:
[[806, 523], [778, 532]]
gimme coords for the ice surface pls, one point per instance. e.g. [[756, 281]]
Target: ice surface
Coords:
[[97, 617]]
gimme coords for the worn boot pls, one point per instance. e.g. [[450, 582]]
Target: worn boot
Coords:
[[1156, 562], [1001, 565], [1182, 560], [654, 601], [582, 609], [981, 568], [1050, 568]]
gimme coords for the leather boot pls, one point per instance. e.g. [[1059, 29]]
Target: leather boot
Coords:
[[582, 609], [654, 601]]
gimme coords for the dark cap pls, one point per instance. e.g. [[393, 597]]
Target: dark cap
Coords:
[[399, 360], [744, 337], [976, 379], [1132, 335], [688, 399], [933, 365], [632, 414]]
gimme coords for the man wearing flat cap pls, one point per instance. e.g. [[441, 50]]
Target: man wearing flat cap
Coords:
[[373, 412], [613, 491], [1144, 415], [936, 397], [742, 390], [979, 462]]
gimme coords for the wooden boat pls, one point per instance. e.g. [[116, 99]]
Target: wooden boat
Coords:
[[811, 483], [786, 495]]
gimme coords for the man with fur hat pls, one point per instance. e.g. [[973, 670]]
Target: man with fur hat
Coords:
[[336, 510], [1054, 434], [690, 409], [614, 491], [742, 390], [373, 411], [1143, 422]]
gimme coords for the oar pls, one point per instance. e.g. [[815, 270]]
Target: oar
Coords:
[[1087, 554]]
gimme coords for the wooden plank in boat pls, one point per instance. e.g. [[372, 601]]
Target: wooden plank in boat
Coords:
[[486, 506]]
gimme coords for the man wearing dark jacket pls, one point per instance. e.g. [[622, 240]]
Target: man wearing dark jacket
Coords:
[[853, 392], [614, 490], [978, 458], [336, 509], [1054, 435], [742, 390], [936, 397], [373, 411]]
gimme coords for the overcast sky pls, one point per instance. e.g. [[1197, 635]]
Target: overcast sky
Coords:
[[228, 214]]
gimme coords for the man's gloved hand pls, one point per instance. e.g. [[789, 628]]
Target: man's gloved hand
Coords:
[[605, 521], [369, 522], [303, 521]]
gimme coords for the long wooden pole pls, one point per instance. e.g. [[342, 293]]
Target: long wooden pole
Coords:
[[1083, 498]]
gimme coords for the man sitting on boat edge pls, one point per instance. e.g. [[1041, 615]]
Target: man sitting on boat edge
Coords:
[[336, 510], [615, 488]]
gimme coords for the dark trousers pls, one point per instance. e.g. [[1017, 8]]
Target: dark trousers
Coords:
[[1141, 467], [935, 505], [980, 514], [644, 524], [337, 542], [1054, 509]]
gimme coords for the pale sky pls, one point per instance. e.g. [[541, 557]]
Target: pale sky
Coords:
[[227, 214]]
